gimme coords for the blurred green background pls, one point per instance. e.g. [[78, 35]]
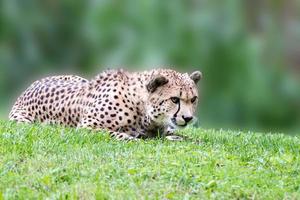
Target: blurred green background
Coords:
[[248, 51]]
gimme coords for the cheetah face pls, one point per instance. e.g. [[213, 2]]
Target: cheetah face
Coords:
[[173, 102]]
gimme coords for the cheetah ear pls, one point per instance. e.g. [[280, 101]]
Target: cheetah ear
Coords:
[[196, 76], [156, 82]]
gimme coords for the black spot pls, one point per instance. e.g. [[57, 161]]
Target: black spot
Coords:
[[161, 102]]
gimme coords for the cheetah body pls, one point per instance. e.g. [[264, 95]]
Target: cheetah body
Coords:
[[128, 105]]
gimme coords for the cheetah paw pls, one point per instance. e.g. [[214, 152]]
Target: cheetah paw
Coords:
[[174, 138], [126, 137]]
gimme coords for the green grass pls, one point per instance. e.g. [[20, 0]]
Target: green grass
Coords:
[[38, 161]]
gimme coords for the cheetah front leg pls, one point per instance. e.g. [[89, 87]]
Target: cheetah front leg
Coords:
[[122, 136], [93, 124]]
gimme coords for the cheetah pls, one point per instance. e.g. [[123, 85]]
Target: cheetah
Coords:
[[128, 105]]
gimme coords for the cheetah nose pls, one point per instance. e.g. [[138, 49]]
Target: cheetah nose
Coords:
[[187, 119]]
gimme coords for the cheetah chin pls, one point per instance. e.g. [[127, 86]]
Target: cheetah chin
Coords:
[[128, 105]]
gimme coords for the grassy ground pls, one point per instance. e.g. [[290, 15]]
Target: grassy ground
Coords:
[[45, 161]]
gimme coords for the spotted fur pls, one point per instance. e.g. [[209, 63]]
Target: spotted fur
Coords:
[[128, 105]]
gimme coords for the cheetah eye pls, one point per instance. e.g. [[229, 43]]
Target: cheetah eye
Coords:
[[193, 99], [175, 100]]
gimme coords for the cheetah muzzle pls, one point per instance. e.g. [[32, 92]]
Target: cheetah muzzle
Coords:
[[127, 105]]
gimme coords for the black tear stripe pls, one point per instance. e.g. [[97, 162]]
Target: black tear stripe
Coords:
[[175, 115]]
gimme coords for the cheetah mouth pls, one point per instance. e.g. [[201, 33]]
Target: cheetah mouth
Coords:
[[181, 126]]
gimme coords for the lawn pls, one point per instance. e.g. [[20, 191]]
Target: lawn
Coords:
[[38, 162]]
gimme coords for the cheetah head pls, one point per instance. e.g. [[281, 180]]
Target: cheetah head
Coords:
[[173, 98]]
